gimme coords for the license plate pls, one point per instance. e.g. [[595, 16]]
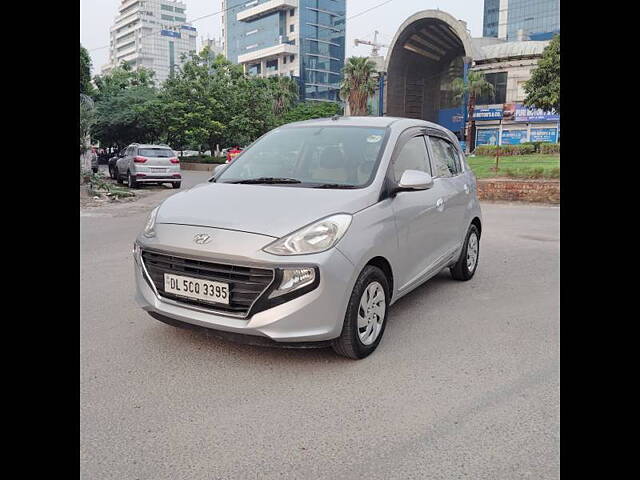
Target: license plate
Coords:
[[158, 170], [197, 288]]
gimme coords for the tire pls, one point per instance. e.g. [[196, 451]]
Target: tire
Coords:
[[94, 169], [461, 271], [111, 173], [118, 176], [131, 182], [350, 343], [176, 184]]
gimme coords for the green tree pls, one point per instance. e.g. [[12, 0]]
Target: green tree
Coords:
[[474, 86], [131, 115], [543, 88], [122, 77], [87, 119], [86, 87], [311, 110], [358, 84], [284, 91]]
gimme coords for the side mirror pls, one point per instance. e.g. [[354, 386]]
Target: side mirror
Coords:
[[414, 180]]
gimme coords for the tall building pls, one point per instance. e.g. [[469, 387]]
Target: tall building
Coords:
[[304, 39], [152, 34], [515, 20]]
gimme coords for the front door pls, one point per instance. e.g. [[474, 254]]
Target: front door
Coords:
[[420, 218]]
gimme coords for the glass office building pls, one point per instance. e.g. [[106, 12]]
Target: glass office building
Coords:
[[304, 39], [535, 19]]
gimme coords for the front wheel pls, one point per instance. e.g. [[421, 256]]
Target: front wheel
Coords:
[[466, 266], [364, 321]]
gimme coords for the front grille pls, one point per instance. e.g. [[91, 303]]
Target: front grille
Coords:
[[245, 283]]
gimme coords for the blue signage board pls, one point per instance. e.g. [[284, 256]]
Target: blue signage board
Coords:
[[544, 135], [529, 114], [514, 137], [169, 33], [187, 27], [451, 118], [487, 136], [492, 113]]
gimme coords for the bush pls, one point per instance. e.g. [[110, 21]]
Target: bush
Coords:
[[202, 159], [550, 148], [505, 150], [536, 146]]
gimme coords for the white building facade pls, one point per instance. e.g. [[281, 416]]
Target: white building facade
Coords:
[[153, 34]]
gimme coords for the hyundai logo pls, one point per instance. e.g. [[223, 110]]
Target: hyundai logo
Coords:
[[202, 239]]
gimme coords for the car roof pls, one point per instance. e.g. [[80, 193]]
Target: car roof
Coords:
[[380, 122], [148, 145]]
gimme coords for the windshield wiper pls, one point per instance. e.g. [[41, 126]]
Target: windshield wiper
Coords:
[[267, 180], [334, 185]]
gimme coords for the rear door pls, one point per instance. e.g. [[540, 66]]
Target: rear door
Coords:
[[448, 165], [419, 220]]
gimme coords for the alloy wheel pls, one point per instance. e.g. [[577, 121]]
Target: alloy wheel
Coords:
[[371, 313], [472, 251]]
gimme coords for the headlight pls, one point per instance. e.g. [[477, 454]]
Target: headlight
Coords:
[[294, 279], [314, 238], [149, 228]]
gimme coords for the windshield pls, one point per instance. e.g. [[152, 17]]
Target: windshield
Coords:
[[332, 157], [156, 152]]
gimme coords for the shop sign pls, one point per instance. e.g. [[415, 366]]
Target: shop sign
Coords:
[[530, 114], [544, 135], [487, 136], [488, 113], [514, 137]]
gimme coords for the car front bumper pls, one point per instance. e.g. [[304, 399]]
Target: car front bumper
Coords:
[[314, 316]]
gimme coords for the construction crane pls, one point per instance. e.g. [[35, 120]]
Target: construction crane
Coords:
[[375, 45]]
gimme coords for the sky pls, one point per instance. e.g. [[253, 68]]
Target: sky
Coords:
[[97, 16]]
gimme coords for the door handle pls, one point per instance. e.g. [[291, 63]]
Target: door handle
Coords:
[[466, 188], [440, 204]]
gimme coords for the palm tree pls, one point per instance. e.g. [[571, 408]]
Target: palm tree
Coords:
[[358, 84], [285, 94], [475, 86]]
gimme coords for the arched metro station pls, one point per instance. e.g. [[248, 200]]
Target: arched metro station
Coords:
[[430, 50]]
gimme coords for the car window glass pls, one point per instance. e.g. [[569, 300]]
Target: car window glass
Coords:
[[413, 156], [313, 155], [446, 159], [156, 152]]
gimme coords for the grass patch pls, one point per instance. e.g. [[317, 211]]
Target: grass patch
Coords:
[[518, 166]]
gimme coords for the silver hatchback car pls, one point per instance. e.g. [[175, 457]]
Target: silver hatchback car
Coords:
[[148, 164], [312, 233]]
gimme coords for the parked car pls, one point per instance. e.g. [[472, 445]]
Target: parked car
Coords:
[[148, 164], [312, 233], [233, 153], [112, 163]]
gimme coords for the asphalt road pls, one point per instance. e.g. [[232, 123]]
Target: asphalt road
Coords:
[[465, 383]]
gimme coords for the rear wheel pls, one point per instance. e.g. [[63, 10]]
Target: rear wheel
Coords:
[[364, 321], [466, 266], [176, 184], [111, 172], [131, 181]]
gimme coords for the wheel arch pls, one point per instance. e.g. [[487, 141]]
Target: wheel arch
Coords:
[[476, 221], [384, 265]]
